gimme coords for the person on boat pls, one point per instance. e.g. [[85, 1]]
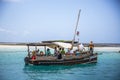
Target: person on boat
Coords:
[[91, 46], [33, 55], [71, 51], [60, 49], [81, 48], [55, 51], [41, 53], [37, 52], [63, 51], [59, 55], [48, 53], [77, 52], [68, 51]]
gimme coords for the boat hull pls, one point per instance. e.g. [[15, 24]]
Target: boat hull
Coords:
[[82, 60]]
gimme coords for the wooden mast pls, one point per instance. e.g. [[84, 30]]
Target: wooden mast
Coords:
[[76, 29]]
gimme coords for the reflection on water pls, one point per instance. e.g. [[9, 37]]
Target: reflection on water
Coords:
[[55, 67], [41, 72]]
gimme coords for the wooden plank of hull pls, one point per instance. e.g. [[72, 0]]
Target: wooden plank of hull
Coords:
[[91, 59]]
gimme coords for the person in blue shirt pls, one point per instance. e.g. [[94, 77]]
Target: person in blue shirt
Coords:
[[48, 53]]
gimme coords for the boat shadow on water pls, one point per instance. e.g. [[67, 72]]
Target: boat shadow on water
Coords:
[[43, 72], [55, 68]]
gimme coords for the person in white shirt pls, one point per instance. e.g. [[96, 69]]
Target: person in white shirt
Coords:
[[71, 51], [81, 47]]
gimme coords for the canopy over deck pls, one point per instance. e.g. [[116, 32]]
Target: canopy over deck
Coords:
[[64, 41], [53, 44], [63, 45], [40, 44]]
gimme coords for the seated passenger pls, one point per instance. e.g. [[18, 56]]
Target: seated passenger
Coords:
[[37, 52], [77, 52], [71, 52], [33, 55], [41, 53], [48, 53], [63, 51], [68, 51], [55, 52], [59, 55]]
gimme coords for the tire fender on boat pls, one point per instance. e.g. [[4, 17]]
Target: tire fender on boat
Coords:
[[26, 60]]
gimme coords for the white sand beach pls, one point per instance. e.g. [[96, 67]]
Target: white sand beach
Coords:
[[12, 46], [110, 49], [22, 47]]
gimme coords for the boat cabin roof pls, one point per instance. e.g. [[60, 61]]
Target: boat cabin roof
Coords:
[[52, 44], [40, 44], [64, 41]]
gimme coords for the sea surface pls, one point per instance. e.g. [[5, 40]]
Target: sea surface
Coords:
[[12, 68]]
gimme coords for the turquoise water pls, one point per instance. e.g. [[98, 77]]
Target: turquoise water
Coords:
[[12, 68]]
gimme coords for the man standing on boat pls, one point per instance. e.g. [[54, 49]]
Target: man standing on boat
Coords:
[[91, 46]]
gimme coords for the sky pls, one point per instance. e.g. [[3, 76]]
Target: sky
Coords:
[[39, 20]]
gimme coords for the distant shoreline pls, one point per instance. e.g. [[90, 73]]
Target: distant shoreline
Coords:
[[104, 44], [85, 44]]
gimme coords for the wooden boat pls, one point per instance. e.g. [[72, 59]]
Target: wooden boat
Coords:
[[66, 61], [83, 57]]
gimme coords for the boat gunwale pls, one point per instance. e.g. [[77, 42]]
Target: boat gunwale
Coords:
[[65, 59]]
